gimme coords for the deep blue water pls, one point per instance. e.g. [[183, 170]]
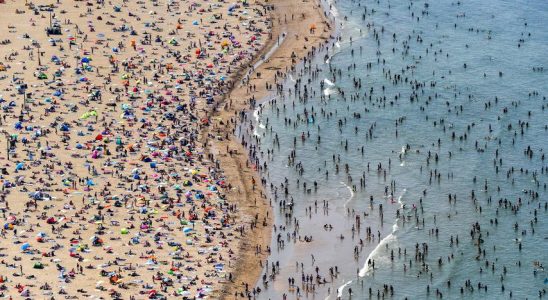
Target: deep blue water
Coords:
[[469, 96]]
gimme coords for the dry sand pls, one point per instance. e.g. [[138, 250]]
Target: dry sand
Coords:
[[112, 187], [108, 189]]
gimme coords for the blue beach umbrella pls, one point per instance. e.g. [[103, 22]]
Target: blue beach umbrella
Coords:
[[25, 246]]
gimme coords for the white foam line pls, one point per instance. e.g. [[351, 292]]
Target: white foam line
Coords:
[[341, 289], [334, 11], [366, 267], [256, 116], [351, 194], [403, 152], [328, 82]]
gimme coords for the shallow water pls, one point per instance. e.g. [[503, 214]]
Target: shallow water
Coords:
[[468, 101]]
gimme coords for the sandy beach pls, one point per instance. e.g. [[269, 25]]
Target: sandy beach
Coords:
[[108, 186]]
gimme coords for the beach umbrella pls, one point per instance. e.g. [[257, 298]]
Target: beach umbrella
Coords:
[[25, 246]]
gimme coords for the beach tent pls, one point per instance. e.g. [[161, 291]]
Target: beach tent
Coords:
[[42, 76], [38, 265], [25, 246], [86, 115], [20, 166]]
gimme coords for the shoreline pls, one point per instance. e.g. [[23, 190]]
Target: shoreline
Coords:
[[252, 252]]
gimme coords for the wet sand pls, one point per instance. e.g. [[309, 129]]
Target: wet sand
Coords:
[[289, 36]]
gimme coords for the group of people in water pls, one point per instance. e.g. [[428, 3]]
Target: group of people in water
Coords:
[[300, 107]]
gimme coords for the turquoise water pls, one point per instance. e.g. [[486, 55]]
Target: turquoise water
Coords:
[[469, 96]]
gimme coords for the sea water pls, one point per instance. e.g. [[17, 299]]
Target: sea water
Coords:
[[468, 119]]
